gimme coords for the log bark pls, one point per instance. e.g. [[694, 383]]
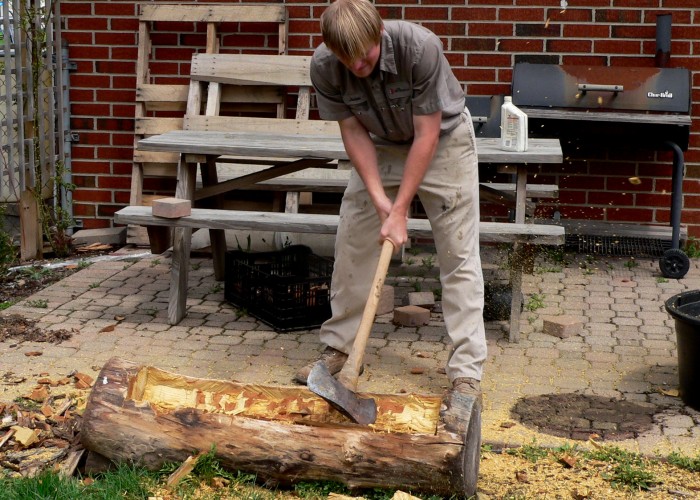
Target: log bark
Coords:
[[283, 434]]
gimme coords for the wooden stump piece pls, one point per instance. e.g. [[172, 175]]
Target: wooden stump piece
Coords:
[[282, 434]]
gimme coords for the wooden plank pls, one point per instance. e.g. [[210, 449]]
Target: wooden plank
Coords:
[[151, 93], [255, 124], [252, 69], [156, 125], [317, 146], [505, 232], [155, 157], [30, 236], [213, 13], [246, 180]]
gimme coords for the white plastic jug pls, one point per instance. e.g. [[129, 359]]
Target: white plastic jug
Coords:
[[513, 127]]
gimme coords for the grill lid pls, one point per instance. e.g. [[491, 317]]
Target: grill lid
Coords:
[[602, 88]]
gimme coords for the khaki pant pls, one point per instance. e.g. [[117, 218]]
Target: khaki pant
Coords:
[[449, 194]]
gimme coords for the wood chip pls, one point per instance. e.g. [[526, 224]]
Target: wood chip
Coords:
[[6, 437], [568, 460], [32, 354], [25, 436], [402, 495], [83, 381], [67, 468], [417, 370], [182, 471], [39, 394]]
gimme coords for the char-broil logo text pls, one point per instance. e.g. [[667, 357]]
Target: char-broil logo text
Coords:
[[660, 95]]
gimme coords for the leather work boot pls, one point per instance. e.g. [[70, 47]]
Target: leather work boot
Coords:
[[467, 385], [458, 403], [332, 358]]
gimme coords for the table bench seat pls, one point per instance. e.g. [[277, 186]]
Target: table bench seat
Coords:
[[220, 220]]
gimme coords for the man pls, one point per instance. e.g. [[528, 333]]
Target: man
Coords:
[[405, 128]]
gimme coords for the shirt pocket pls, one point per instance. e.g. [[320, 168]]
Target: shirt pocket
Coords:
[[398, 96], [358, 104]]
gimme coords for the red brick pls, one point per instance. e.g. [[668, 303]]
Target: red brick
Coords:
[[568, 46], [616, 46], [87, 23], [521, 45], [618, 16], [490, 29], [473, 14], [516, 14], [629, 214], [92, 195]]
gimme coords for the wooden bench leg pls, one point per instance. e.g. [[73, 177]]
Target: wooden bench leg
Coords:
[[516, 295], [217, 237], [179, 272]]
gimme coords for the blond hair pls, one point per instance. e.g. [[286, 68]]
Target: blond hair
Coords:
[[350, 27]]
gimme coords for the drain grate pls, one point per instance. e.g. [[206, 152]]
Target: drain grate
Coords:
[[616, 245]]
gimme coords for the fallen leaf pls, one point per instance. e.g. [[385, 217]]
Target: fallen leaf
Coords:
[[33, 353], [521, 476], [417, 370], [674, 393], [508, 425], [109, 328]]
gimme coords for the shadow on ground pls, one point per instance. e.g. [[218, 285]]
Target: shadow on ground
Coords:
[[580, 416]]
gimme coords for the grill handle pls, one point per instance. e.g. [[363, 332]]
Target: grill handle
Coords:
[[595, 87]]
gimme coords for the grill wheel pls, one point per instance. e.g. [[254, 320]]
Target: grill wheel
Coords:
[[674, 263]]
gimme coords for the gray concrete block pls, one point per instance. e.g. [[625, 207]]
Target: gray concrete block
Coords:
[[411, 316], [421, 299]]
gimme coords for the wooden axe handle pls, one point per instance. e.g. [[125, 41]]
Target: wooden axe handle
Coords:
[[351, 369]]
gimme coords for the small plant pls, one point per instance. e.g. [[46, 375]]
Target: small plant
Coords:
[[4, 305], [683, 462], [531, 452], [692, 248], [416, 284], [535, 302], [38, 303], [83, 264], [216, 288], [155, 262], [627, 470], [631, 264], [661, 279], [428, 262], [93, 285], [196, 266], [319, 489]]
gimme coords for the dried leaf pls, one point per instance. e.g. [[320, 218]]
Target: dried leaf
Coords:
[[109, 328], [417, 370], [521, 476], [33, 353], [507, 425]]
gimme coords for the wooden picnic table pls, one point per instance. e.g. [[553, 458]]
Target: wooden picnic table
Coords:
[[292, 152]]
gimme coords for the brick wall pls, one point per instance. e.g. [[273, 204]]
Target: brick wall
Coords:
[[483, 40]]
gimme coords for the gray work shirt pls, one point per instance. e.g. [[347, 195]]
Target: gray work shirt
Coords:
[[414, 78]]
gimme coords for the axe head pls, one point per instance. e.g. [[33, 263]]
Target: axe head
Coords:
[[360, 410]]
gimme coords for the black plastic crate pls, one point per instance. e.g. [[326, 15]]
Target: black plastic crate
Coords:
[[288, 289]]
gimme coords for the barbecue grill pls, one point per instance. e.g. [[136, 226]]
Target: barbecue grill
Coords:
[[609, 106]]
